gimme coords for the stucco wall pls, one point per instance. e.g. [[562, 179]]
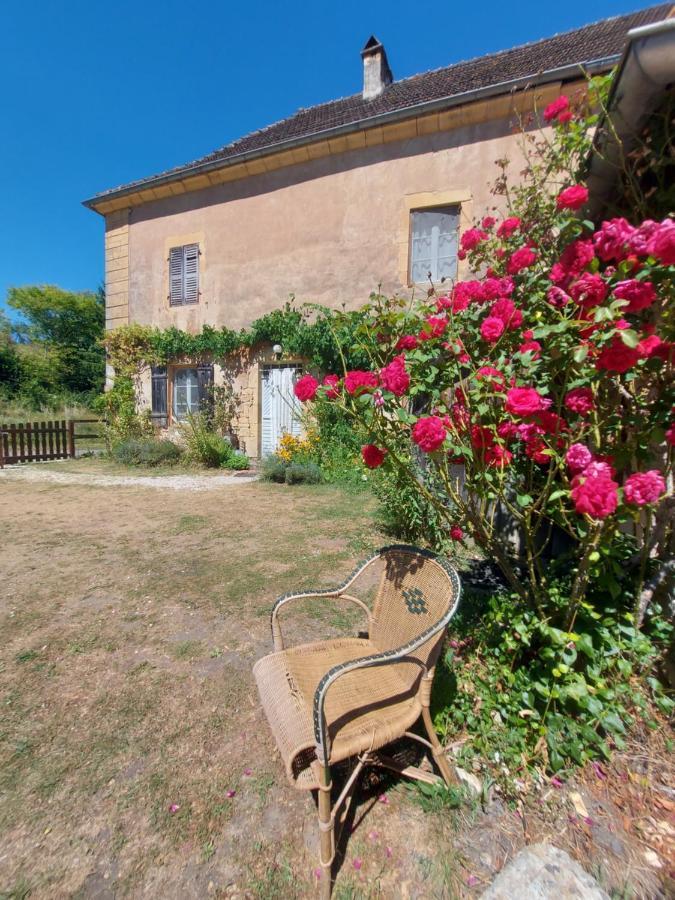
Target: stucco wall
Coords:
[[328, 230]]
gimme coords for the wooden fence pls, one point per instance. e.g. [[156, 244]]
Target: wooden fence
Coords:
[[38, 441]]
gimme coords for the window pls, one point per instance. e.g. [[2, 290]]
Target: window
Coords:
[[184, 274], [433, 243], [185, 393]]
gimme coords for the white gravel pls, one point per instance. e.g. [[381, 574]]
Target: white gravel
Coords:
[[160, 482]]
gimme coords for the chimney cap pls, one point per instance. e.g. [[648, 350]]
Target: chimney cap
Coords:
[[372, 45]]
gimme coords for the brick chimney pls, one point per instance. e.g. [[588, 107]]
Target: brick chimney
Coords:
[[376, 72]]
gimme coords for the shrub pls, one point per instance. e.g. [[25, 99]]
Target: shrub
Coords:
[[274, 469], [140, 452], [303, 473], [118, 408], [236, 460], [406, 514]]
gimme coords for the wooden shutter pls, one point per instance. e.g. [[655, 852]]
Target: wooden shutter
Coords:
[[176, 276], [159, 402], [191, 273], [205, 386]]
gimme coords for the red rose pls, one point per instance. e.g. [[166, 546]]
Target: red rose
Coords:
[[472, 238], [580, 401], [533, 347], [578, 457], [488, 222], [644, 487], [491, 329], [505, 310], [429, 433], [573, 197], [466, 292], [594, 495], [407, 342], [617, 357], [493, 288], [508, 227], [305, 388], [359, 381], [537, 451], [612, 239], [497, 455], [521, 259], [555, 109], [525, 401], [482, 437], [492, 377], [662, 243], [433, 328], [639, 294], [394, 376], [670, 435], [456, 533], [590, 290], [331, 382], [373, 457]]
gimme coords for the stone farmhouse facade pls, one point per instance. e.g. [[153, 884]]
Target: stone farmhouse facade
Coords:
[[328, 204]]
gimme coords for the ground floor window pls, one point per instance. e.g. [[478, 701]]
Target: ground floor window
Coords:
[[185, 391]]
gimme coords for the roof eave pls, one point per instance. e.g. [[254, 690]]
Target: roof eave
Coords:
[[558, 74]]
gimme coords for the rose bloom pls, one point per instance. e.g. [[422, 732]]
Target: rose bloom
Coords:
[[580, 401], [662, 243], [305, 388], [617, 357], [429, 433], [578, 457], [394, 376], [433, 328], [488, 222], [537, 451], [551, 422], [594, 495], [492, 377], [574, 259], [497, 455], [525, 401], [507, 430], [482, 437], [556, 108], [508, 227], [466, 292], [505, 310], [557, 297], [639, 294], [492, 288], [611, 240], [590, 290], [407, 342], [533, 347], [331, 382], [670, 435], [644, 487], [359, 381], [491, 329], [650, 346], [521, 259], [573, 197], [456, 533], [373, 456], [472, 238]]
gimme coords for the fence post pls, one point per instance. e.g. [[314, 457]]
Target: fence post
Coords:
[[71, 439]]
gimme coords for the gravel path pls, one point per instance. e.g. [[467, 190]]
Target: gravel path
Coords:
[[161, 482]]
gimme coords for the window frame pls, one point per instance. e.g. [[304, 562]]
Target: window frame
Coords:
[[184, 262], [172, 372], [456, 208]]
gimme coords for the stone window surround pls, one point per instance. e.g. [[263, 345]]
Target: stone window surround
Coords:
[[460, 197]]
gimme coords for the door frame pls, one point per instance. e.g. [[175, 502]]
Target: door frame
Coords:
[[296, 364]]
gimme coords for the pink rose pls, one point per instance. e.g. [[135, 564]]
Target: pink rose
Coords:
[[643, 488], [429, 433], [580, 401], [611, 240], [590, 290], [639, 294], [466, 292], [492, 377], [508, 227], [491, 329], [662, 243], [594, 495], [394, 376], [492, 288], [505, 309], [359, 381], [472, 238], [573, 197], [433, 328], [533, 347], [407, 342], [372, 456], [525, 401], [578, 457], [488, 222], [521, 259], [556, 108], [331, 382], [617, 357], [557, 297], [456, 533], [305, 388]]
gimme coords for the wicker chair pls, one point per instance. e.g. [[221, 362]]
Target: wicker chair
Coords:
[[332, 700]]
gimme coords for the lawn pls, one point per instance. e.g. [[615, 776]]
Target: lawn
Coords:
[[131, 618]]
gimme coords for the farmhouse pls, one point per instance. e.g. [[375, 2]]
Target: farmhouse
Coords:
[[372, 189]]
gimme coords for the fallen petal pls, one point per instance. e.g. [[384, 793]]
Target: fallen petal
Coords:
[[389, 853], [230, 794], [357, 863], [248, 771], [471, 880], [383, 799], [174, 807]]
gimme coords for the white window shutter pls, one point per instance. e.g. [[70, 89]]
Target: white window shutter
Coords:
[[176, 276], [191, 273]]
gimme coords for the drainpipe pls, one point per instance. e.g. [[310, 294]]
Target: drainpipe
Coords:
[[646, 73]]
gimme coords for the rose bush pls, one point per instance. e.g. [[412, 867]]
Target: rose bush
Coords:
[[546, 376]]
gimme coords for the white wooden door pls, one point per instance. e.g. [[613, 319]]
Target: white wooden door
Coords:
[[280, 406]]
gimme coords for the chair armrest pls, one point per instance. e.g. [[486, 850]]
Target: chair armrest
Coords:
[[400, 654]]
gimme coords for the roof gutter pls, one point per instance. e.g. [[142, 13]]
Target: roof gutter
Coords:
[[559, 74], [646, 72]]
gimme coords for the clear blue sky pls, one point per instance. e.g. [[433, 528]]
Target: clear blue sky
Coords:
[[89, 90]]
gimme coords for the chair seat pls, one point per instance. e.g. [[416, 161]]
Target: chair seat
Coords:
[[365, 709]]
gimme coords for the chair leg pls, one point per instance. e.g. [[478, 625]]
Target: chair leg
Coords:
[[439, 755], [326, 834]]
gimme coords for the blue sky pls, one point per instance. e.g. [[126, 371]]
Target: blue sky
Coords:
[[90, 92]]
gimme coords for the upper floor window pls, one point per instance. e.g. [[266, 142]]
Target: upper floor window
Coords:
[[434, 235], [184, 274]]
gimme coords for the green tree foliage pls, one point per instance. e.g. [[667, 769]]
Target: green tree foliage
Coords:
[[10, 367], [67, 327]]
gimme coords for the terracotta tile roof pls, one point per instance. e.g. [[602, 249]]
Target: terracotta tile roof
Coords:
[[600, 42]]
